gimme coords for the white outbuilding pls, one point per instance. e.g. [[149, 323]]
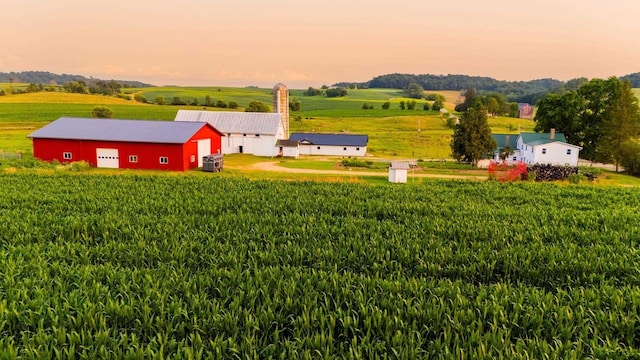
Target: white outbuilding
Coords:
[[245, 132], [398, 171]]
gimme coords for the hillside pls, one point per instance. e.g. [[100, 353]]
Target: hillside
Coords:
[[45, 77], [519, 91]]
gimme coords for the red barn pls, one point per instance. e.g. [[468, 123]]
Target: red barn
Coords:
[[127, 144]]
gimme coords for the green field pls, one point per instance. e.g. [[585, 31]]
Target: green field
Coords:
[[125, 266], [392, 133]]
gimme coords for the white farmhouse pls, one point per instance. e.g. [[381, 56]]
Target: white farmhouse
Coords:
[[331, 144], [538, 148], [245, 132]]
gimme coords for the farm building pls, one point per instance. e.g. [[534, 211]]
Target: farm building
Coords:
[[246, 132], [249, 132], [398, 171], [127, 144], [331, 144], [525, 111], [538, 148], [288, 148]]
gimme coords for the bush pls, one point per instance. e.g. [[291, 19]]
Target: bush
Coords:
[[233, 105], [101, 112], [631, 158], [139, 98], [386, 105]]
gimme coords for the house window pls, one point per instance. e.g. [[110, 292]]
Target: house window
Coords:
[[164, 160], [515, 158], [244, 134], [544, 151], [568, 151], [192, 158], [133, 158], [66, 155]]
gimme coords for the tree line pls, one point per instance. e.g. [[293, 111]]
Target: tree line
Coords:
[[601, 116], [45, 77], [514, 91]]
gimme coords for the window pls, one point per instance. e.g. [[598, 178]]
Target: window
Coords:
[[515, 158], [257, 135], [345, 149], [164, 160], [244, 134], [568, 151], [544, 150], [192, 158], [66, 155], [357, 149], [133, 158], [318, 147]]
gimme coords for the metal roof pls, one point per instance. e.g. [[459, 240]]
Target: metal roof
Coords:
[[235, 122], [400, 165], [331, 139], [501, 140], [287, 143], [147, 131], [528, 137]]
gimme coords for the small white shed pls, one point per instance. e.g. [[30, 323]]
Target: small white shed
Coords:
[[398, 171]]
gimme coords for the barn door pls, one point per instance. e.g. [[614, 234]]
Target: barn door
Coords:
[[107, 158], [204, 149]]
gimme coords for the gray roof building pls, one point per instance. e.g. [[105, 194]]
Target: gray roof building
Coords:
[[331, 139], [145, 131], [235, 122]]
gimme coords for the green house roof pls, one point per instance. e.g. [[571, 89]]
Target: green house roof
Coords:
[[532, 138], [504, 140]]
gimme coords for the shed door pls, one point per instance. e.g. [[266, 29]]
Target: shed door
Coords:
[[108, 158], [204, 149]]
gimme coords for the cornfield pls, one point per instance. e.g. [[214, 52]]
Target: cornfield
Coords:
[[131, 266]]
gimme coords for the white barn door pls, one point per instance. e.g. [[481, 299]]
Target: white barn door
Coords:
[[204, 149], [107, 158]]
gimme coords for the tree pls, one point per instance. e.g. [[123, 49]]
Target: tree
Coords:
[[207, 101], [336, 92], [257, 106], [221, 104], [233, 105], [411, 105], [414, 91], [386, 105], [630, 159], [621, 123], [102, 112], [402, 105], [472, 136], [294, 104], [76, 87], [160, 100], [437, 105], [140, 98], [312, 92], [469, 97], [506, 152], [176, 101]]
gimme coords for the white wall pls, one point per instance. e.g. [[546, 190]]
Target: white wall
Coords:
[[397, 175], [332, 150], [263, 145], [556, 154]]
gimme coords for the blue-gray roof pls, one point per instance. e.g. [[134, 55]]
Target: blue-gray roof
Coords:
[[504, 140], [230, 122], [331, 139], [146, 131]]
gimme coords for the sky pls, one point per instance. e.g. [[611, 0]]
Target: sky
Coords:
[[304, 43]]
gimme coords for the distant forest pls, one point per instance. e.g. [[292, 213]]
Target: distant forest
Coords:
[[517, 91], [48, 78]]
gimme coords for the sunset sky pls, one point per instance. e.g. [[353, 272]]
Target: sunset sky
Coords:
[[310, 43]]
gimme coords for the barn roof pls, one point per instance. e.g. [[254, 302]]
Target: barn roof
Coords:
[[147, 131], [331, 139], [287, 143], [235, 122]]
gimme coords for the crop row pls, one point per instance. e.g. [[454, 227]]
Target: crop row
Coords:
[[143, 266]]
